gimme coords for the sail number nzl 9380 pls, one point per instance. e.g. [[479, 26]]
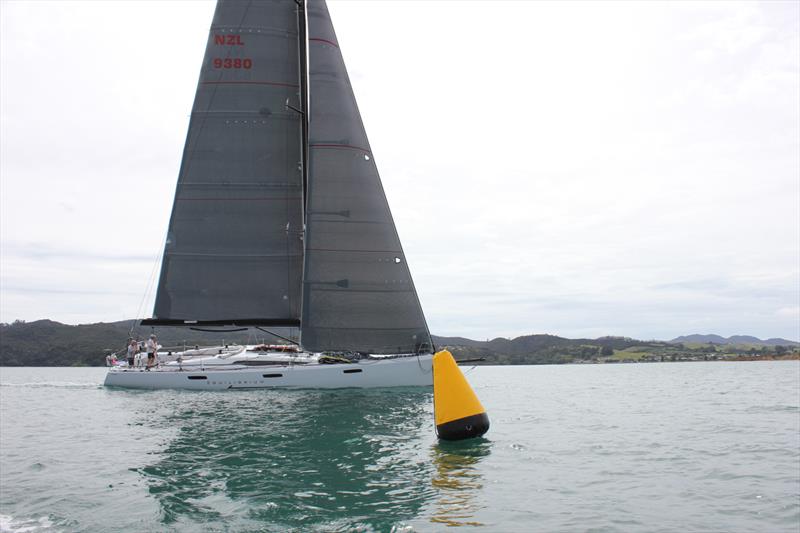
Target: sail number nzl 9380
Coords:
[[230, 62], [233, 62]]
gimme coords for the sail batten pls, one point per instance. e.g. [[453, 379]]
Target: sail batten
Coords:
[[264, 321]]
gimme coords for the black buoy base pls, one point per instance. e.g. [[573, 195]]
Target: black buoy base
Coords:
[[464, 428]]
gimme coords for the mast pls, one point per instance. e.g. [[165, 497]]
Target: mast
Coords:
[[302, 32]]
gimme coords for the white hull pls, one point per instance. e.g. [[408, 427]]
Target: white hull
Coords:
[[366, 373]]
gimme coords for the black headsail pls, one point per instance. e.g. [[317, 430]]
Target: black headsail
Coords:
[[358, 292], [234, 251]]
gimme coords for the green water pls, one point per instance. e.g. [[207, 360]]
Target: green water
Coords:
[[658, 447]]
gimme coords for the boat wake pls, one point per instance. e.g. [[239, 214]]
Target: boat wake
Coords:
[[9, 524], [53, 385]]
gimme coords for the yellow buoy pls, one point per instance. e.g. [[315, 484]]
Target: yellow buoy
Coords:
[[457, 411]]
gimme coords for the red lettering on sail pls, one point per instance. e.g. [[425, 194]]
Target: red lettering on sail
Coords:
[[232, 62], [229, 40]]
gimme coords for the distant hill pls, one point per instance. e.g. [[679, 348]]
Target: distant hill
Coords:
[[735, 339], [539, 349], [49, 343]]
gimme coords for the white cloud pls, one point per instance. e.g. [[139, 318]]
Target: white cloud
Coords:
[[790, 312], [568, 168]]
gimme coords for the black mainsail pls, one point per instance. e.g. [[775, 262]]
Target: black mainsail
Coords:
[[257, 236], [234, 250]]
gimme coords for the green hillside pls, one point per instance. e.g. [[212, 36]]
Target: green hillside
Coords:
[[49, 343]]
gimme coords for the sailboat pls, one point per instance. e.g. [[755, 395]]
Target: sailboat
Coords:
[[280, 220]]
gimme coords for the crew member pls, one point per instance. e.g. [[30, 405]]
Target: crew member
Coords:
[[152, 350]]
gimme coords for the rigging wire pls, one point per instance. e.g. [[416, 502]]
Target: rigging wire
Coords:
[[148, 289], [276, 335]]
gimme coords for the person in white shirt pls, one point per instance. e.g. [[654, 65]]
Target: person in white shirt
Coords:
[[152, 350]]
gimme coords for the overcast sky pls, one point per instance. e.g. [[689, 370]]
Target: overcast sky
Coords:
[[580, 169]]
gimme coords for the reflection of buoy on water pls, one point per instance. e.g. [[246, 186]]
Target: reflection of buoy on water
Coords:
[[457, 411]]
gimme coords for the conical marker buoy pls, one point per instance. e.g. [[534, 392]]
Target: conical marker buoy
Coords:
[[457, 411]]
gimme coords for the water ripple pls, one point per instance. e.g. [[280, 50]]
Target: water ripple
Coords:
[[639, 448]]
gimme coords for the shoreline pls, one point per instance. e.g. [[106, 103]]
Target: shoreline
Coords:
[[787, 357]]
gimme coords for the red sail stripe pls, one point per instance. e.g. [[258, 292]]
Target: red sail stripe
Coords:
[[250, 199], [235, 82], [326, 41]]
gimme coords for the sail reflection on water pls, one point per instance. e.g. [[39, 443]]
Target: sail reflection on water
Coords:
[[458, 481], [293, 459]]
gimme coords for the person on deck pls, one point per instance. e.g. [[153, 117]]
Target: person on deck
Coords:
[[133, 347], [152, 350], [138, 359]]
